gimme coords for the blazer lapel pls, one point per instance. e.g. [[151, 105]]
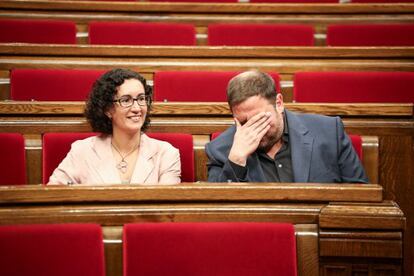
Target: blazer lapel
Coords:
[[144, 165], [301, 147], [105, 163]]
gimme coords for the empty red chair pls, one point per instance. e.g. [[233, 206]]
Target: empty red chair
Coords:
[[52, 249], [370, 35], [382, 1], [52, 84], [13, 159], [260, 35], [295, 1], [209, 249], [194, 86], [354, 87], [37, 31], [184, 143], [141, 33], [55, 147]]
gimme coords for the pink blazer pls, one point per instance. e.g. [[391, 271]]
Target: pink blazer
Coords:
[[91, 161]]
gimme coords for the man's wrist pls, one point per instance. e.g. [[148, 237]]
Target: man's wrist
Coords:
[[237, 159]]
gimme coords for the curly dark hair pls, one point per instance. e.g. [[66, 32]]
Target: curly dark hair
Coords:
[[101, 98]]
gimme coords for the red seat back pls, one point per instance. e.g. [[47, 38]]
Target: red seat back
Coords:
[[52, 84], [382, 1], [209, 249], [12, 159], [370, 35], [54, 249], [355, 139], [354, 87], [55, 148], [194, 86], [295, 1], [141, 33], [260, 35], [184, 143], [37, 31]]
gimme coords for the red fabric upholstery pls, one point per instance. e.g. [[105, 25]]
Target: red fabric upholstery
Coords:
[[184, 143], [370, 35], [357, 144], [141, 33], [260, 35], [194, 86], [355, 139], [354, 87], [12, 159], [382, 1], [37, 31], [55, 249], [209, 249], [295, 1], [52, 84], [55, 147], [200, 1]]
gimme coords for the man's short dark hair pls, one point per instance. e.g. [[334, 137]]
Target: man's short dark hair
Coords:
[[249, 84], [101, 98]]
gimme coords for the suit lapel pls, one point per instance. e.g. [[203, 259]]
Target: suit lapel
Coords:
[[301, 143], [105, 161], [144, 165]]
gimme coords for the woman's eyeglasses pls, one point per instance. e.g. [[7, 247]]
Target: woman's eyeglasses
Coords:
[[128, 101]]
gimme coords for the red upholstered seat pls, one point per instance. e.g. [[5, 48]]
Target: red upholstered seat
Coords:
[[209, 249], [54, 249], [55, 148], [357, 144], [370, 35], [234, 34], [184, 143], [354, 87], [52, 84], [141, 33], [13, 159], [355, 139], [194, 86], [200, 1], [295, 1], [37, 31], [382, 1]]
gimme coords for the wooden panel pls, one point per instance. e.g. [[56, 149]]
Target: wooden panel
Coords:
[[307, 249], [196, 192]]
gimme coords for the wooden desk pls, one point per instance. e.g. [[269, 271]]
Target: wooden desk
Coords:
[[347, 227]]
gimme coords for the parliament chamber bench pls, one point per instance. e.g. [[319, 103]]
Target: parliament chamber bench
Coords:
[[147, 60], [202, 14], [341, 229]]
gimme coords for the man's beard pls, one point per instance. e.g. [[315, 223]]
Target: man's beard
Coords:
[[269, 140]]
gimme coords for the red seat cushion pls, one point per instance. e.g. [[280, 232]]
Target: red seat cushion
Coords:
[[54, 249], [52, 84], [184, 143], [12, 159], [209, 249], [357, 144], [141, 33], [37, 31], [194, 86], [55, 148], [260, 35], [370, 35], [354, 87]]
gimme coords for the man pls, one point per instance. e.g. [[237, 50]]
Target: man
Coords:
[[271, 144]]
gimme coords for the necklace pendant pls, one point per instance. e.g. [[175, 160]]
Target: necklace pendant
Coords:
[[122, 166]]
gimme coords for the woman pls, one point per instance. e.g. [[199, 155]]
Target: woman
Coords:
[[118, 107]]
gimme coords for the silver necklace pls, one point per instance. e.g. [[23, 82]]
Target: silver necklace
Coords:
[[123, 164]]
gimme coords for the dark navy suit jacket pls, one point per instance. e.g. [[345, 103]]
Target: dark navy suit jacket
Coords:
[[320, 150]]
